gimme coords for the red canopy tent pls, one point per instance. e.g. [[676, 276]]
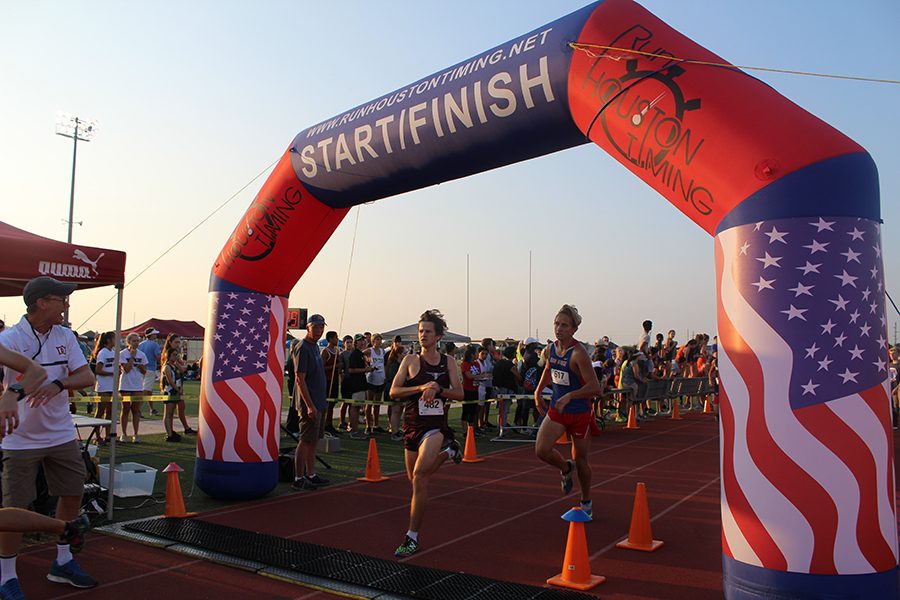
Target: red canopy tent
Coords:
[[185, 329], [26, 256]]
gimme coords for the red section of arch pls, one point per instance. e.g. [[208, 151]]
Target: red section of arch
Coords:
[[279, 236], [704, 137]]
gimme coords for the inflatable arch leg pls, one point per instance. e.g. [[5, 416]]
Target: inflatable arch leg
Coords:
[[807, 452]]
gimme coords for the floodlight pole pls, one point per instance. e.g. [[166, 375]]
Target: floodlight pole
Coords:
[[72, 189], [84, 136]]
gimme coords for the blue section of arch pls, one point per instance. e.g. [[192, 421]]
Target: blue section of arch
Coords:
[[217, 284], [236, 481], [748, 582], [334, 159], [844, 186]]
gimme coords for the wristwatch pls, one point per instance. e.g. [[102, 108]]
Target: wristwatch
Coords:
[[18, 389]]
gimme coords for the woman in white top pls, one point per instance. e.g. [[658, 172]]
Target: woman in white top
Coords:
[[104, 358], [133, 364], [374, 384]]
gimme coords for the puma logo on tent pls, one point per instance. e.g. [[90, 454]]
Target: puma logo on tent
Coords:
[[78, 254]]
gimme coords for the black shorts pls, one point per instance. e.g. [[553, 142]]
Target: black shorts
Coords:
[[377, 388], [413, 436]]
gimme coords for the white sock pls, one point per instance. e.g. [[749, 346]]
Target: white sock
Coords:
[[8, 568], [413, 535], [63, 553]]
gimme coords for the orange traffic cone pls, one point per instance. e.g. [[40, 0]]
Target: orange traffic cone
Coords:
[[675, 415], [373, 465], [707, 407], [563, 439], [174, 499], [471, 453], [576, 570], [639, 535], [632, 419]]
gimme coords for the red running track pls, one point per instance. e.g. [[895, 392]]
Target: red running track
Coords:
[[498, 518]]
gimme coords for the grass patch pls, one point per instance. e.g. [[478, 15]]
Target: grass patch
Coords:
[[347, 464]]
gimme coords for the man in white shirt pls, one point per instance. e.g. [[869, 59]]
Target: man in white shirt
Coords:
[[45, 434], [643, 343]]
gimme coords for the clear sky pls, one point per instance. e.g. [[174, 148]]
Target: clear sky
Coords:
[[194, 99]]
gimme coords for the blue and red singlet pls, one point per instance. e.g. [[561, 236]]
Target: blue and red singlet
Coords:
[[565, 379]]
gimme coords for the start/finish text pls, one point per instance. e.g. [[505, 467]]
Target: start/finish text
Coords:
[[475, 103]]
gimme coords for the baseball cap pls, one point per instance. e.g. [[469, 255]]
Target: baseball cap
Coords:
[[151, 331], [316, 319], [358, 337], [43, 286], [531, 340]]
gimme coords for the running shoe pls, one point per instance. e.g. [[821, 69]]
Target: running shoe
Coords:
[[588, 509], [189, 431], [397, 437], [457, 454], [378, 430], [567, 477], [407, 548], [303, 484], [11, 590], [358, 435], [73, 533], [318, 481], [70, 573], [173, 438]]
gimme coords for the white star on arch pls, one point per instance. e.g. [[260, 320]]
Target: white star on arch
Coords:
[[857, 352], [823, 364], [793, 312], [847, 375], [846, 278], [810, 388], [801, 289], [811, 351], [769, 261], [776, 236], [823, 225], [763, 284], [817, 247], [809, 268], [851, 255], [856, 234]]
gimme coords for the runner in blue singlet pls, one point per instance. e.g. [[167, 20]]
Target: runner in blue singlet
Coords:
[[574, 383]]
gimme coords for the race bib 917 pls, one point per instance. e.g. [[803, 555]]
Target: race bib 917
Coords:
[[559, 377]]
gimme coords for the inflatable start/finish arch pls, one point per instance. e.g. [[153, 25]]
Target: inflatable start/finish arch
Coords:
[[806, 446]]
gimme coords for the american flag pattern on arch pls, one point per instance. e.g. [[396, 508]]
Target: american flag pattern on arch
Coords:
[[807, 449], [242, 377]]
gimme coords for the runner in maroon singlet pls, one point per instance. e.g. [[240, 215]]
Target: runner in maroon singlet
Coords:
[[426, 382]]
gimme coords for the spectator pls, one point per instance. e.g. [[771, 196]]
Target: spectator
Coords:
[[643, 343], [171, 383], [667, 354], [309, 396], [392, 366], [344, 357], [357, 369], [150, 348], [332, 366], [485, 384], [104, 358], [506, 382], [375, 379], [133, 364], [530, 373], [470, 371], [45, 432]]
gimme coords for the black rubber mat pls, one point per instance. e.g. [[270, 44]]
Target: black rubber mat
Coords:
[[347, 567]]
